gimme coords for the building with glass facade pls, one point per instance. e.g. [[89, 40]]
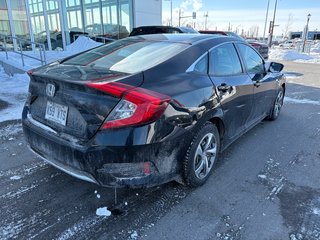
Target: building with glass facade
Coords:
[[57, 23]]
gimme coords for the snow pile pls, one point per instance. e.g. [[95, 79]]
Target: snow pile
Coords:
[[82, 43], [288, 55], [13, 93], [315, 48], [103, 211], [292, 55]]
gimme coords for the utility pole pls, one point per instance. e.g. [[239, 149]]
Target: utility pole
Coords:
[[171, 24], [306, 32], [265, 23], [194, 16], [206, 21], [272, 27]]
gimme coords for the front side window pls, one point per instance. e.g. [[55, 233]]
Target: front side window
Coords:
[[224, 61], [254, 63], [128, 56]]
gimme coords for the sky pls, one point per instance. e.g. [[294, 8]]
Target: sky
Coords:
[[245, 16]]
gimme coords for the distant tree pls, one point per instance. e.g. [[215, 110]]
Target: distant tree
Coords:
[[253, 31], [287, 27]]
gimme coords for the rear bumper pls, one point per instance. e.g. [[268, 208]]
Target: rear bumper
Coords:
[[116, 163]]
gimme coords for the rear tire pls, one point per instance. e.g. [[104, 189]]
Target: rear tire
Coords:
[[275, 112], [202, 155]]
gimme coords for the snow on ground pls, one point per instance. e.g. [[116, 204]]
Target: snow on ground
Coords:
[[315, 48], [301, 101], [103, 211], [293, 55], [81, 44], [13, 92], [10, 130]]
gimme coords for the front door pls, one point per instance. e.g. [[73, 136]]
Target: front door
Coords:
[[233, 86], [264, 83]]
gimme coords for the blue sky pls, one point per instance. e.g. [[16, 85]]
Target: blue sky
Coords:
[[245, 15]]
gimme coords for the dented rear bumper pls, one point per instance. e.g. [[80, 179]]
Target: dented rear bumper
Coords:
[[115, 158]]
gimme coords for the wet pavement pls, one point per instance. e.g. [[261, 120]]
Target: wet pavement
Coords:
[[265, 186]]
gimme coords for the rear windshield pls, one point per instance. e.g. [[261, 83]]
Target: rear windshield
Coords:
[[128, 56]]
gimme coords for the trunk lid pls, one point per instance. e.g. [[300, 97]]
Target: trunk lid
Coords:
[[61, 89]]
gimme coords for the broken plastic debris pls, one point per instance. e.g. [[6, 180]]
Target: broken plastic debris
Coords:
[[98, 196]]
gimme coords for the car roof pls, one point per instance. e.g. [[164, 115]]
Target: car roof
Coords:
[[155, 26], [187, 38]]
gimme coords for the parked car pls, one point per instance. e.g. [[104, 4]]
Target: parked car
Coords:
[[149, 109], [261, 47], [41, 38], [287, 44], [112, 31], [231, 34], [160, 29]]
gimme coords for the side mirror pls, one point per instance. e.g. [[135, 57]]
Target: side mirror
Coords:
[[274, 67]]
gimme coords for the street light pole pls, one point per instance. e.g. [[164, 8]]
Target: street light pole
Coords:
[[306, 32]]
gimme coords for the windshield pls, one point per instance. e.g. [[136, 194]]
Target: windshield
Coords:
[[128, 56]]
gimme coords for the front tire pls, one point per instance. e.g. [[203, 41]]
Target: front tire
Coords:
[[278, 103], [202, 155]]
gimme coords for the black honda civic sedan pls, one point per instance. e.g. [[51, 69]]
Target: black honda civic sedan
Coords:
[[150, 109]]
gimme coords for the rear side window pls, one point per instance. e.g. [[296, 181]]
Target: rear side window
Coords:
[[254, 63], [202, 65], [128, 55], [224, 61], [171, 30]]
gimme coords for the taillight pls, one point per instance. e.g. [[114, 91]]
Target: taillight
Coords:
[[138, 106], [255, 45]]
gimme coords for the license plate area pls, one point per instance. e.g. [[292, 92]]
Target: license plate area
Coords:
[[56, 113]]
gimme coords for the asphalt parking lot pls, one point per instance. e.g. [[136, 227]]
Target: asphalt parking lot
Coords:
[[266, 186]]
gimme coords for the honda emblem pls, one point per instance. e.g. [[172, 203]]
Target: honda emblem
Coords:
[[50, 90]]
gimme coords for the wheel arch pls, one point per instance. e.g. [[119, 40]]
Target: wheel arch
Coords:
[[283, 85], [220, 125]]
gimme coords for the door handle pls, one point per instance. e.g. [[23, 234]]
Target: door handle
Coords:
[[224, 87]]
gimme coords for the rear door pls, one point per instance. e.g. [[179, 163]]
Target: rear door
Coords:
[[233, 86], [264, 83]]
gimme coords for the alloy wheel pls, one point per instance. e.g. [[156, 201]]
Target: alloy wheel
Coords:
[[205, 155], [278, 104]]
